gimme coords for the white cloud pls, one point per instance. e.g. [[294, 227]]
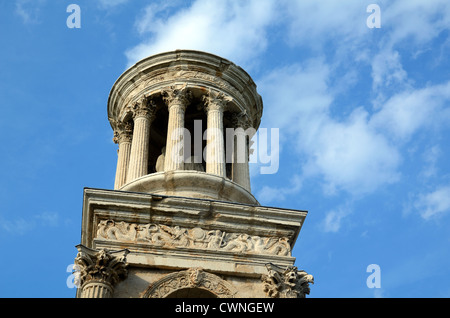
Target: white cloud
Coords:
[[409, 111], [434, 203], [270, 194], [417, 22], [234, 30], [348, 154], [387, 69], [315, 23], [430, 157], [352, 156], [22, 226], [333, 219]]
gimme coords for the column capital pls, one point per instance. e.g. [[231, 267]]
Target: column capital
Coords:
[[215, 100], [240, 120], [123, 132], [177, 95], [101, 266], [286, 283], [144, 107]]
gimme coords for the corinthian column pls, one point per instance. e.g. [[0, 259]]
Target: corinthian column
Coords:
[[215, 149], [243, 132], [99, 271], [122, 136], [144, 113], [177, 100]]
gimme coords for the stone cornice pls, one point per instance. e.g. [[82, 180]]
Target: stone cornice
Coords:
[[197, 70]]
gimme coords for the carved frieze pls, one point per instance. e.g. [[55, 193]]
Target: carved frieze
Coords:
[[175, 236]]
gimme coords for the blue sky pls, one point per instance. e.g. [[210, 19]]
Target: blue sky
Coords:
[[363, 116]]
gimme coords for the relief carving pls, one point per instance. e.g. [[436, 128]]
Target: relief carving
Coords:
[[191, 278], [176, 236]]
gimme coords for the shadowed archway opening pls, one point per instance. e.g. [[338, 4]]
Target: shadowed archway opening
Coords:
[[191, 293]]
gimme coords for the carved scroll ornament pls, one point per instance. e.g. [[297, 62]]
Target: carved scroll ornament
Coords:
[[191, 278]]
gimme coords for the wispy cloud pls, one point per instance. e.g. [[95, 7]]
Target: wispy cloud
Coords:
[[333, 219], [234, 30], [23, 226], [29, 11], [434, 204]]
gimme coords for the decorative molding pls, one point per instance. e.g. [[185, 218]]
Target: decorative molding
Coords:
[[191, 278], [175, 236], [286, 283]]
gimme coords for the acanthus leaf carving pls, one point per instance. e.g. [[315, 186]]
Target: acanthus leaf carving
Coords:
[[286, 283]]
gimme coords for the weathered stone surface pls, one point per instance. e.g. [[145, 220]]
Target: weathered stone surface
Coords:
[[176, 233]]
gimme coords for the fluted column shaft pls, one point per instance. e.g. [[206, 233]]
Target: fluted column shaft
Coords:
[[97, 289], [177, 100], [123, 137], [215, 146], [240, 168], [143, 117]]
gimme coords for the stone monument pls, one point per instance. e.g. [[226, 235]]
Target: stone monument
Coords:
[[181, 220]]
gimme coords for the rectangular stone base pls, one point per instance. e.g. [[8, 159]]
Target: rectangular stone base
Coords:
[[167, 234]]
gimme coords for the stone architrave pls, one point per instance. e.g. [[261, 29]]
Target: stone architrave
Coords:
[[99, 271]]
